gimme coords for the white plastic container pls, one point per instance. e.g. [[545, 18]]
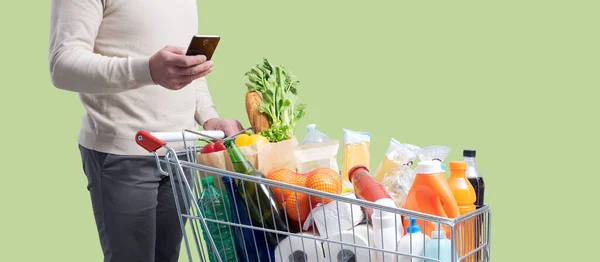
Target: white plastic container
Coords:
[[439, 247], [387, 230], [412, 243], [314, 136]]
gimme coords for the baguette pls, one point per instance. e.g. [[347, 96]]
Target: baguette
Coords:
[[259, 121]]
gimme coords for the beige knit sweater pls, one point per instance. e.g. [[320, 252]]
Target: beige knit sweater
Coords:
[[100, 49]]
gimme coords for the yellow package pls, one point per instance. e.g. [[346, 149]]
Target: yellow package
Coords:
[[397, 154], [357, 150]]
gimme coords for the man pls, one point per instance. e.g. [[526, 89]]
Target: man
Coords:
[[126, 60]]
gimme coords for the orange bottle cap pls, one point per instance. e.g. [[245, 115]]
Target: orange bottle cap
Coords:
[[458, 165]]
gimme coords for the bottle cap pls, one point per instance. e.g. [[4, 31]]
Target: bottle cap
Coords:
[[438, 232], [428, 168], [311, 127], [208, 180], [469, 153], [458, 165], [228, 141], [226, 179], [355, 168], [413, 228]]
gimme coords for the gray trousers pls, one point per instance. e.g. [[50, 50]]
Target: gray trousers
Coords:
[[133, 206]]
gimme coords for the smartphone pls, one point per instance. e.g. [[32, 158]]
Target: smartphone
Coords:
[[203, 45]]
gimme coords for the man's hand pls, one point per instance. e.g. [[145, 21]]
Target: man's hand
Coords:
[[228, 126], [172, 69]]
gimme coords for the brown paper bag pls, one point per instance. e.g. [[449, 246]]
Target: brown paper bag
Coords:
[[276, 156], [217, 160], [249, 152]]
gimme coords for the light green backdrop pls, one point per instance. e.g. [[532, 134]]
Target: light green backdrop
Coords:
[[512, 79]]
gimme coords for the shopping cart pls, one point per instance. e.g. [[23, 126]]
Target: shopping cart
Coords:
[[469, 234]]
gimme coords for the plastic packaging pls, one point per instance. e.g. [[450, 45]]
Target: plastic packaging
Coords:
[[431, 194], [215, 205], [317, 155], [434, 153], [251, 244], [313, 135], [357, 150], [412, 243], [395, 171], [439, 247], [397, 155]]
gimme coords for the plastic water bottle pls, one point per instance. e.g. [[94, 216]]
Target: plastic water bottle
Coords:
[[215, 205], [412, 243], [439, 247], [314, 136]]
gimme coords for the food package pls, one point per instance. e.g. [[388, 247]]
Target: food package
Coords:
[[397, 154], [395, 172], [434, 153], [275, 156], [319, 155], [357, 150]]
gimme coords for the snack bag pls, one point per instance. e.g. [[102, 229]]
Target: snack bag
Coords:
[[396, 155], [357, 150], [318, 155], [395, 171], [275, 156], [434, 153]]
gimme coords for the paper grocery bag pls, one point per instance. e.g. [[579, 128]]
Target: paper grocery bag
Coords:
[[276, 156], [249, 152], [217, 160]]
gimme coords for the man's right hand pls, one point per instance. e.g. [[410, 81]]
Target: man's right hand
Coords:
[[172, 69]]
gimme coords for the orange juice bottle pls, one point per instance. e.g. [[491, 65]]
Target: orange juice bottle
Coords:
[[465, 196], [431, 194]]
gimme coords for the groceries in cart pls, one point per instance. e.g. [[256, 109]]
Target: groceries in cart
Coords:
[[269, 197]]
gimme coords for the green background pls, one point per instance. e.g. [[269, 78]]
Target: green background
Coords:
[[512, 79]]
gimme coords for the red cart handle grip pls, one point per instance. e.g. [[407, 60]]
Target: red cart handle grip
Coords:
[[148, 141]]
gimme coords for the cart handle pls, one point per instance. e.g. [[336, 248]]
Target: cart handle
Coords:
[[155, 140]]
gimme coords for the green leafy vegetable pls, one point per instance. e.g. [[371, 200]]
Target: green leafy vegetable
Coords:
[[278, 89]]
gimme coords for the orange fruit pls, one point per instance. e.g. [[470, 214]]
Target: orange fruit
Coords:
[[326, 180], [285, 176], [297, 207]]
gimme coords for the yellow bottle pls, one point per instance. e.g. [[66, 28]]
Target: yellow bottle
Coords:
[[357, 151]]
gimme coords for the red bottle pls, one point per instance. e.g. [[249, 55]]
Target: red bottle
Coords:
[[366, 187]]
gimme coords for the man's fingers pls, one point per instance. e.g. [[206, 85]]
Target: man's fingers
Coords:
[[175, 49], [186, 61], [197, 69]]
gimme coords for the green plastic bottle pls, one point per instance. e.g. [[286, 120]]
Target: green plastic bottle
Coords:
[[262, 204], [215, 205]]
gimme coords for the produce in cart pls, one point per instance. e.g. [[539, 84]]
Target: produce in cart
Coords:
[[273, 95], [273, 108], [298, 205]]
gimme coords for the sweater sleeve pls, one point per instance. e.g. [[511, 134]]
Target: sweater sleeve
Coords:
[[73, 64], [205, 108]]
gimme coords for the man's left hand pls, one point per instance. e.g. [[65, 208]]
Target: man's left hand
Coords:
[[228, 126]]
